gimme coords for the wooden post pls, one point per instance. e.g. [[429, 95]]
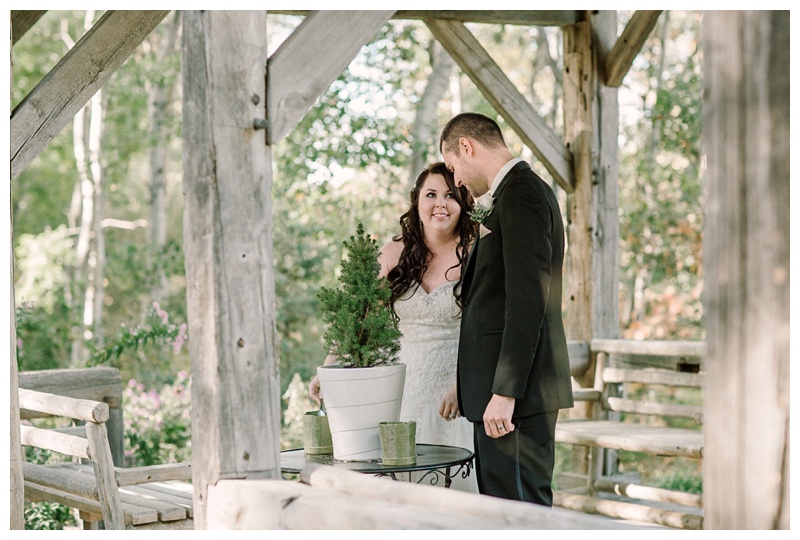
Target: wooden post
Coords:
[[228, 245], [16, 486], [591, 117], [746, 250]]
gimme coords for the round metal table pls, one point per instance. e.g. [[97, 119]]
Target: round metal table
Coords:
[[436, 462]]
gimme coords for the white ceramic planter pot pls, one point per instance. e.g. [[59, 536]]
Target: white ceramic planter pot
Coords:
[[357, 400]]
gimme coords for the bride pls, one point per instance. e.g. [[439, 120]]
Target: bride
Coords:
[[423, 264]]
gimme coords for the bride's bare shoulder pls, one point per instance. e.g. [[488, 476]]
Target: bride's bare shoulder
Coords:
[[390, 255]]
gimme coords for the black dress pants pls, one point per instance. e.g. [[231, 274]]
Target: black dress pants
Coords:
[[518, 466]]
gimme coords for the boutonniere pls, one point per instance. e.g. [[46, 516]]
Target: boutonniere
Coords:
[[482, 209]]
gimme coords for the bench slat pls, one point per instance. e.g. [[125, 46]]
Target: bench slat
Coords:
[[657, 440], [134, 515], [652, 376], [139, 496], [648, 493], [170, 496], [631, 511], [659, 409]]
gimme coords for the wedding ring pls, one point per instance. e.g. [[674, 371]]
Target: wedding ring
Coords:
[[501, 427]]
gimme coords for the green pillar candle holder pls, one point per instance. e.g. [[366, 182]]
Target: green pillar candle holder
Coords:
[[316, 434], [398, 443]]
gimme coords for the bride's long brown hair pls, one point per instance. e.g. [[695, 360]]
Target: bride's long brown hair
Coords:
[[414, 258]]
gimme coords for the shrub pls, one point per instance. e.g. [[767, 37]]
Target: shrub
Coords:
[[47, 516], [158, 425], [362, 330]]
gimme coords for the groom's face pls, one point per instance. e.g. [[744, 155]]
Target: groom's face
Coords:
[[462, 166]]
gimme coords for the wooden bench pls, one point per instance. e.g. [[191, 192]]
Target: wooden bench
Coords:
[[141, 497], [99, 383], [628, 416]]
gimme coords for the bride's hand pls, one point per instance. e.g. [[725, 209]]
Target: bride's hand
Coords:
[[448, 409], [313, 389]]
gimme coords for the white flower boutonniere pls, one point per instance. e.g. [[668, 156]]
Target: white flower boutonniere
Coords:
[[483, 207]]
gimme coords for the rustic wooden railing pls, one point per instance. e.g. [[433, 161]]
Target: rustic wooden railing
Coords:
[[624, 419]]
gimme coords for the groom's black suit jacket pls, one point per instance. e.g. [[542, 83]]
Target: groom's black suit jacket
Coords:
[[512, 335]]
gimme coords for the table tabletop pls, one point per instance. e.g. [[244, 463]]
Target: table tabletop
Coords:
[[429, 457]]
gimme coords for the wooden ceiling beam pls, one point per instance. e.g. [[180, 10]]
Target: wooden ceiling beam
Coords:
[[21, 22], [630, 42], [310, 59], [525, 18], [74, 80], [506, 99]]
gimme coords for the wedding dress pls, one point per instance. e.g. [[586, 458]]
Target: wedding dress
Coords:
[[429, 349]]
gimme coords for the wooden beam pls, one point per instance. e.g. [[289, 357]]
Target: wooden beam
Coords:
[[21, 22], [516, 17], [619, 60], [310, 59], [74, 80], [650, 347], [505, 98], [340, 499]]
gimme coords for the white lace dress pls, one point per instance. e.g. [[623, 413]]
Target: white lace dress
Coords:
[[429, 349]]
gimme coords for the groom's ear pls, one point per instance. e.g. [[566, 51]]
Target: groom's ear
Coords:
[[466, 146]]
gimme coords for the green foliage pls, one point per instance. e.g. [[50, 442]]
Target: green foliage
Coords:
[[362, 329], [47, 516], [661, 195], [683, 480], [42, 337], [156, 330], [680, 473], [158, 424]]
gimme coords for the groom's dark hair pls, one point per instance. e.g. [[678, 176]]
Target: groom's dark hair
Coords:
[[477, 126]]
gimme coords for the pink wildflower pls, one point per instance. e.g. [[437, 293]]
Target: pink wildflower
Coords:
[[179, 340], [161, 313]]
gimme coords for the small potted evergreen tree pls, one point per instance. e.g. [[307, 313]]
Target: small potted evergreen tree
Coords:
[[366, 386]]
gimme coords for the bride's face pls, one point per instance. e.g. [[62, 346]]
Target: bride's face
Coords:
[[437, 206]]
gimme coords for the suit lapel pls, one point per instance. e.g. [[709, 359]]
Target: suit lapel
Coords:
[[467, 277], [468, 269]]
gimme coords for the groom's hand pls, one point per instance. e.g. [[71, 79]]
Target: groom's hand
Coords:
[[448, 408], [497, 418]]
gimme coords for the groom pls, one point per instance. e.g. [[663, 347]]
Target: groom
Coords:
[[513, 366]]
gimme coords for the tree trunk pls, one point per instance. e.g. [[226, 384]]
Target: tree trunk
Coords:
[[159, 104], [81, 290], [98, 262], [424, 141]]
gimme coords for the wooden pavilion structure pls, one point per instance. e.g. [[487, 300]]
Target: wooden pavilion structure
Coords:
[[238, 102]]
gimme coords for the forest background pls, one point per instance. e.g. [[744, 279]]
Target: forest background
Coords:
[[98, 216]]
